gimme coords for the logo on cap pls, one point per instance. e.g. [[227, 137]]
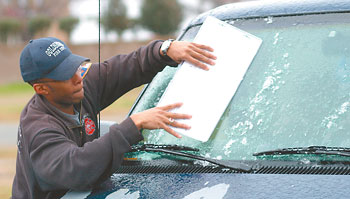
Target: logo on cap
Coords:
[[84, 69], [55, 49]]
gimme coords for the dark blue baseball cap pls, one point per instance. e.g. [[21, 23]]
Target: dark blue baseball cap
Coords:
[[48, 58]]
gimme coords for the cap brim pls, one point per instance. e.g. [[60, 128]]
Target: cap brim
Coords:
[[67, 68]]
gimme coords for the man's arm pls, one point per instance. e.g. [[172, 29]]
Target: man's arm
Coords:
[[124, 72], [59, 163], [121, 73]]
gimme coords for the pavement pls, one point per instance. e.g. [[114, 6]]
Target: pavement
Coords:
[[8, 132]]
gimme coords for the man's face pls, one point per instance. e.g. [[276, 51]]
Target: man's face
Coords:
[[65, 93]]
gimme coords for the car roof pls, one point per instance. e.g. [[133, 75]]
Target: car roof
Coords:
[[265, 8]]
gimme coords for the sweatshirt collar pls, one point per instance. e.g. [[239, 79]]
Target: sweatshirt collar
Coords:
[[70, 122]]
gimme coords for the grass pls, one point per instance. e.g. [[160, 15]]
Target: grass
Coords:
[[15, 88], [7, 170], [14, 97]]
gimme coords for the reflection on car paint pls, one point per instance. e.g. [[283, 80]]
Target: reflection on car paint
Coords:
[[124, 193], [76, 195], [217, 191]]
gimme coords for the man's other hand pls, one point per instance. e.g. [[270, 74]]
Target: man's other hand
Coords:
[[161, 118], [196, 54]]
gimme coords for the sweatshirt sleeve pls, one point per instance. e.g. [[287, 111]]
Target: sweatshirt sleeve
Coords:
[[58, 163], [121, 73]]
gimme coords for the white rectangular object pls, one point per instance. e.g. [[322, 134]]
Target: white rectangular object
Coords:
[[206, 94]]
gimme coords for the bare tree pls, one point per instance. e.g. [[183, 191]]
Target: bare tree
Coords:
[[27, 8], [115, 18], [162, 17]]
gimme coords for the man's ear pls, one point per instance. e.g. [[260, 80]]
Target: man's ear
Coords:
[[41, 89]]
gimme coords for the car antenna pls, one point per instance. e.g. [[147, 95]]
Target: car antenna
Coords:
[[99, 67]]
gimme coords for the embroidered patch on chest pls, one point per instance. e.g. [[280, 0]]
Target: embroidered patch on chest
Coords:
[[89, 125]]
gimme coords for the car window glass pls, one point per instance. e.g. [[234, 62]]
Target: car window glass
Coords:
[[295, 93]]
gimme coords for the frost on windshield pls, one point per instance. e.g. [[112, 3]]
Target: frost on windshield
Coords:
[[295, 94]]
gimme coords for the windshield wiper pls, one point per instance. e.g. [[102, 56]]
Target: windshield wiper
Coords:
[[176, 150], [342, 151], [143, 147]]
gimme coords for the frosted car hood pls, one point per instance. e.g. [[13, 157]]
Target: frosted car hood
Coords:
[[220, 186]]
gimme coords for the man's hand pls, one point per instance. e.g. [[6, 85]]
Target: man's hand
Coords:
[[196, 54], [160, 118]]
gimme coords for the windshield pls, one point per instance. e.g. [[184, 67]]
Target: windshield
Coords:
[[295, 93]]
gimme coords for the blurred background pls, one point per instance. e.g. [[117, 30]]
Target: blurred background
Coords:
[[125, 25]]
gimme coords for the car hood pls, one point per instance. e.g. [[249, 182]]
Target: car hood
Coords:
[[202, 185]]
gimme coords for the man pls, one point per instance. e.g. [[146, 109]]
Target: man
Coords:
[[58, 143]]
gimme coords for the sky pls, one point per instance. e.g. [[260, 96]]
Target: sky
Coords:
[[87, 11]]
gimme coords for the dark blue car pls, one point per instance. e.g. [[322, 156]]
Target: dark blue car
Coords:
[[286, 131]]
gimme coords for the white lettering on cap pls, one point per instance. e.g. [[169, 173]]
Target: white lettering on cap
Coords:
[[55, 49]]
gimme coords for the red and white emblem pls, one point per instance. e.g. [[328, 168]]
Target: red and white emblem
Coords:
[[89, 126]]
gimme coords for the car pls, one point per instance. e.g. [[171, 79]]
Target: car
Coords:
[[285, 133]]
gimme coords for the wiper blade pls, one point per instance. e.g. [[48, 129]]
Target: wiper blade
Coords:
[[342, 151], [143, 147], [236, 166]]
